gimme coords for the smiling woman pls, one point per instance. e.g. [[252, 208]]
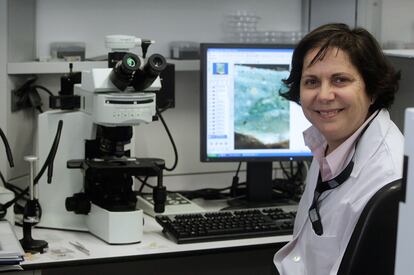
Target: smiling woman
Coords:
[[345, 85], [333, 96]]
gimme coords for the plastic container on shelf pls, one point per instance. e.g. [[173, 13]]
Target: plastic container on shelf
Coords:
[[241, 27], [185, 50]]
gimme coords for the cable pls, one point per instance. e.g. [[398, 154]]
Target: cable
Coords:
[[3, 207], [15, 189], [28, 94], [43, 89], [165, 108], [143, 184], [7, 148], [291, 187], [48, 160], [171, 139], [235, 182], [291, 177], [238, 169], [54, 151], [284, 170]]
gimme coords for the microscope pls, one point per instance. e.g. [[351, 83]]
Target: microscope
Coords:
[[92, 188]]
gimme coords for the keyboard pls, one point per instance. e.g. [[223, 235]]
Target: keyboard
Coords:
[[227, 225]]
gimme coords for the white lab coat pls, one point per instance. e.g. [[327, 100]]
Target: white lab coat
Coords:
[[378, 161]]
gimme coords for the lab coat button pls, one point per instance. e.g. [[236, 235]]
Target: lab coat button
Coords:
[[296, 259]]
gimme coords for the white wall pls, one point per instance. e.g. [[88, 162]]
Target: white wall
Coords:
[[398, 23], [161, 20]]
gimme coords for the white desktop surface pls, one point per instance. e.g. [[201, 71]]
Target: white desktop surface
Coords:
[[153, 243]]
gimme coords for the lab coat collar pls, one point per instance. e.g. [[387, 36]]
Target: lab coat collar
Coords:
[[371, 140]]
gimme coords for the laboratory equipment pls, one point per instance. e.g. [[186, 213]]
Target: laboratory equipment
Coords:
[[243, 116], [31, 214], [92, 188]]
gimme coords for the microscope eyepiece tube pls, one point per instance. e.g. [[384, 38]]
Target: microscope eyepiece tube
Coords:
[[123, 71], [156, 63]]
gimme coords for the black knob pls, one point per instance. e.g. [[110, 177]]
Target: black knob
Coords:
[[78, 203]]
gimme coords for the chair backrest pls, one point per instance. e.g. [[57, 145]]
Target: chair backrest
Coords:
[[371, 249]]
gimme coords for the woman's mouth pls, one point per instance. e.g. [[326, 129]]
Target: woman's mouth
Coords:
[[326, 114]]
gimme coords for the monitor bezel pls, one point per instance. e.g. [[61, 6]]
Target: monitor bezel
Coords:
[[204, 47]]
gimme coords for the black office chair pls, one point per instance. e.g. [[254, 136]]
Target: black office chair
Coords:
[[371, 249]]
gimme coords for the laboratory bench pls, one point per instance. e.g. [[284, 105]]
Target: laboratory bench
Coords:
[[155, 254]]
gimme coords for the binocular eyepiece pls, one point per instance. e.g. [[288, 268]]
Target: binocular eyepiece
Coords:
[[144, 78], [132, 70], [123, 71]]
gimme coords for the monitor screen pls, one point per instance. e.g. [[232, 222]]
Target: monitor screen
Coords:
[[243, 116]]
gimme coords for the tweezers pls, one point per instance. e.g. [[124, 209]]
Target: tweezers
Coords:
[[80, 247]]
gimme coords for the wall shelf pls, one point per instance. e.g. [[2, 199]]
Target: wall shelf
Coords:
[[59, 67], [408, 53]]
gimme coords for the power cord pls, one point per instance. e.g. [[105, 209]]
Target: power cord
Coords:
[[291, 185], [7, 148], [235, 182], [3, 207], [171, 139], [28, 95], [288, 188], [165, 108]]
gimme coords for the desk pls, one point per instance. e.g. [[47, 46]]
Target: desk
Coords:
[[154, 255]]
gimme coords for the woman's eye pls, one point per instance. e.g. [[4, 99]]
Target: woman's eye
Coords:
[[340, 80], [310, 83]]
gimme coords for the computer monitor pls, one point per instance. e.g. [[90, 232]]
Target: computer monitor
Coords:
[[243, 116]]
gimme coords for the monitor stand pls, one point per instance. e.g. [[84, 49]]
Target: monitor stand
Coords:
[[259, 188]]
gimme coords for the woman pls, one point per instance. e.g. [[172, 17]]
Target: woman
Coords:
[[345, 85]]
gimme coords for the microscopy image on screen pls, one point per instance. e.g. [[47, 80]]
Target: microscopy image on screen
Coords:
[[261, 115]]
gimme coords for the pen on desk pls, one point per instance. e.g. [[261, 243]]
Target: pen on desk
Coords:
[[80, 247]]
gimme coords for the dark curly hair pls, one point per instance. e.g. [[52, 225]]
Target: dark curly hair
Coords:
[[381, 79]]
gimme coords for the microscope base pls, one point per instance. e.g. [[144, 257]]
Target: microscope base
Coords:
[[115, 227]]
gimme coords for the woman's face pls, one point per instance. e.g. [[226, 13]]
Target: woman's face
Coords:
[[333, 96]]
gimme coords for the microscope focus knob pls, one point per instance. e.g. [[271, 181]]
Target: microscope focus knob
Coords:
[[159, 195], [78, 203]]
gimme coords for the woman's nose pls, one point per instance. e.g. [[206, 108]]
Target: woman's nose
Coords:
[[326, 92]]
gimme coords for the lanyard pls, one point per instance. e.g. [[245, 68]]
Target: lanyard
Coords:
[[323, 186]]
